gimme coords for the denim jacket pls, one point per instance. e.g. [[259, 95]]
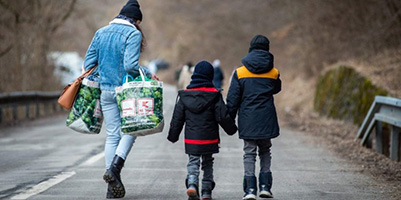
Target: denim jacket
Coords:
[[116, 50]]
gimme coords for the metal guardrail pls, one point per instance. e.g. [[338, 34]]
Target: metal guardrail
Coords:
[[16, 100], [384, 110]]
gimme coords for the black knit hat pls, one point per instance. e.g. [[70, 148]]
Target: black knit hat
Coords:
[[132, 10], [202, 76], [259, 42]]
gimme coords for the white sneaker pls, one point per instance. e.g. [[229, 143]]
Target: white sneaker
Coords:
[[249, 197], [265, 194]]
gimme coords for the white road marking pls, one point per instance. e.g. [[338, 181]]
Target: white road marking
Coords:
[[43, 186], [93, 159]]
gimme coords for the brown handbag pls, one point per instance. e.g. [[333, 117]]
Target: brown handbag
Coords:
[[67, 97]]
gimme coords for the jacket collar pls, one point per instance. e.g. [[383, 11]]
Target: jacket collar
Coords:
[[121, 21]]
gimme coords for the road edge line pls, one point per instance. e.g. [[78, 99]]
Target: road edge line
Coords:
[[45, 185]]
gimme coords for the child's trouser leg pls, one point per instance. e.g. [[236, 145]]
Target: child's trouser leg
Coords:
[[207, 167], [207, 181], [264, 154], [250, 148], [193, 168], [192, 181], [249, 183], [265, 175]]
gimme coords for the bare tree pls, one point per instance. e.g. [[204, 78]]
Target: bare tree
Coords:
[[27, 28]]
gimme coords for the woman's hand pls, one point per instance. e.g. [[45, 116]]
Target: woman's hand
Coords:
[[154, 77]]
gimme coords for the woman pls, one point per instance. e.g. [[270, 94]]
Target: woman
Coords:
[[116, 49]]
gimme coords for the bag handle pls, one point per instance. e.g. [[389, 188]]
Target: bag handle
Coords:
[[141, 73], [126, 78], [87, 73]]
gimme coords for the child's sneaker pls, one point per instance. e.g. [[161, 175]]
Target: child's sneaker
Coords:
[[249, 188], [207, 187], [192, 187], [265, 184], [265, 194], [250, 195], [192, 193]]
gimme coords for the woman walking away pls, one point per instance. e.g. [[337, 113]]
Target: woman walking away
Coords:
[[251, 95], [116, 49], [201, 108]]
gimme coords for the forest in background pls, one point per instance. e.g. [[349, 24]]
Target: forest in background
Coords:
[[306, 36]]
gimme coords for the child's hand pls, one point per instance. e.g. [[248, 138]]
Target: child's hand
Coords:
[[171, 139]]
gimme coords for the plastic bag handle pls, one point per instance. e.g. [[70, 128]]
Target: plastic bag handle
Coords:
[[142, 74], [126, 77]]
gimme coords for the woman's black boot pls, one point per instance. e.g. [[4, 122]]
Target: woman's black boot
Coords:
[[112, 176]]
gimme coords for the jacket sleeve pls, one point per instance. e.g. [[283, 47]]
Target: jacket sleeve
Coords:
[[177, 122], [91, 57], [132, 53], [277, 87], [234, 96], [223, 117]]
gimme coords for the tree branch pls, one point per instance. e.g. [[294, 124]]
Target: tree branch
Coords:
[[7, 6], [394, 10], [65, 17], [8, 49]]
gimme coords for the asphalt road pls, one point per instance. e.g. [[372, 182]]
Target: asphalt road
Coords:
[[45, 160]]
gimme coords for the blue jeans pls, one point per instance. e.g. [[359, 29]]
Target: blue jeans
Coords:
[[117, 143]]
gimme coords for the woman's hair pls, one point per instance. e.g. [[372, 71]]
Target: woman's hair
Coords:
[[143, 42]]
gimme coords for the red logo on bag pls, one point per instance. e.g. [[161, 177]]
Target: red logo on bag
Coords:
[[145, 106]]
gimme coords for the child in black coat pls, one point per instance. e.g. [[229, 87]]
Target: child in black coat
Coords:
[[202, 109]]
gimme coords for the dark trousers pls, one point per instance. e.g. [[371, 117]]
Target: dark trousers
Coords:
[[251, 147], [207, 166]]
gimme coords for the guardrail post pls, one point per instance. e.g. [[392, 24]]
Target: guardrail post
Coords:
[[15, 114], [369, 141], [395, 143], [27, 111], [37, 109], [379, 137], [54, 107]]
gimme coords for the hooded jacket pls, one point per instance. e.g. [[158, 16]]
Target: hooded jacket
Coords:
[[201, 110], [251, 96]]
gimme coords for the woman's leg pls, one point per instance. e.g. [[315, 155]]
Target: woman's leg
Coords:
[[116, 144], [125, 145], [112, 120]]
